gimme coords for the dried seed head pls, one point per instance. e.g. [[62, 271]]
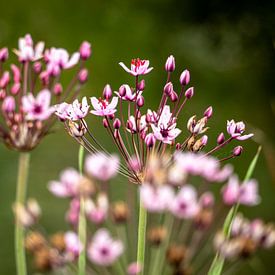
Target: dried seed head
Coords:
[[175, 254], [43, 259], [156, 235], [34, 241], [58, 241], [120, 212], [204, 219]]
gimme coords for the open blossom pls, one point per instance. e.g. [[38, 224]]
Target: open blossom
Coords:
[[58, 59], [26, 50], [102, 107], [102, 166], [37, 108], [166, 130], [185, 204], [156, 198], [68, 185], [138, 67], [73, 244], [236, 129], [134, 122], [103, 249], [245, 193]]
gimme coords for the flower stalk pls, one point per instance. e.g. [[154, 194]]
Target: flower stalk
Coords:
[[23, 168]]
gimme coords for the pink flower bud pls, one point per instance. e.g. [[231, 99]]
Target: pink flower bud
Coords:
[[189, 93], [178, 146], [138, 114], [107, 92], [148, 118], [204, 140], [37, 67], [57, 89], [170, 64], [174, 97], [45, 78], [117, 123], [111, 116], [8, 105], [85, 50], [83, 76], [5, 79], [129, 125], [207, 200], [168, 89], [16, 73], [208, 112], [150, 140], [221, 138], [4, 54], [143, 135], [15, 88], [185, 77], [141, 85], [237, 151], [122, 91], [2, 94], [105, 123], [134, 268], [116, 133], [140, 101]]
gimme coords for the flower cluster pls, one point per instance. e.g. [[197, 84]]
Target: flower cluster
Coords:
[[30, 89]]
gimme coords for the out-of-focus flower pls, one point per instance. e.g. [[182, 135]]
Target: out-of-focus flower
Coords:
[[72, 215], [102, 107], [138, 67], [236, 130], [134, 268], [102, 166], [103, 249], [85, 50], [73, 244]]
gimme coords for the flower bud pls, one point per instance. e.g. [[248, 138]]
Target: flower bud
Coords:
[[111, 117], [58, 241], [129, 125], [185, 78], [37, 67], [221, 138], [83, 76], [170, 64], [178, 146], [189, 93], [176, 254], [76, 129], [207, 200], [16, 73], [157, 235], [8, 105], [45, 78], [4, 54], [34, 241], [204, 140], [117, 123], [140, 101], [107, 92], [85, 50], [116, 133], [5, 79], [57, 89], [168, 89], [120, 212], [15, 88], [34, 208], [174, 97], [141, 85], [237, 151], [208, 112], [150, 140], [122, 91], [105, 123], [2, 94], [134, 268]]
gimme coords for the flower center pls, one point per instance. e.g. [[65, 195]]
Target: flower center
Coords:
[[37, 109]]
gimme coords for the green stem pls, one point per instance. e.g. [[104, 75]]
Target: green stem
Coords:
[[82, 221], [23, 168], [142, 220]]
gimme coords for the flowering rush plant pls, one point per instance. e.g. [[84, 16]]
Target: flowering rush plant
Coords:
[[176, 224]]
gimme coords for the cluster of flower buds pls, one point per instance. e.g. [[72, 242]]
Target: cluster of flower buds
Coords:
[[30, 89], [246, 237]]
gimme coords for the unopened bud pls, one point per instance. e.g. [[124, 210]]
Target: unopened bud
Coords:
[[157, 235], [189, 93], [120, 212], [122, 91], [129, 125], [207, 200], [83, 76], [45, 78], [178, 146], [85, 50], [5, 79], [107, 92], [221, 138], [105, 123], [170, 64], [37, 67], [237, 151], [176, 254], [168, 89], [174, 97], [77, 129], [57, 89], [111, 116], [58, 241], [208, 112], [2, 94], [4, 54], [34, 208], [117, 123], [204, 140], [34, 241], [140, 101], [185, 78], [8, 105], [141, 85], [150, 140], [16, 73]]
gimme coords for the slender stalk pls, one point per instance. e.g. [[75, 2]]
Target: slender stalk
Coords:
[[82, 221], [142, 220], [23, 168]]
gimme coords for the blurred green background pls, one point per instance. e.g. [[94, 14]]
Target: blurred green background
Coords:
[[227, 45]]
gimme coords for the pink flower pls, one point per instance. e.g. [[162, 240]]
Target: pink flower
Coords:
[[58, 59], [37, 108], [138, 67], [185, 205], [61, 110], [127, 93], [97, 211], [156, 198], [236, 129], [73, 244], [134, 268], [26, 51], [72, 214], [166, 130], [140, 122], [103, 250], [102, 166], [231, 191], [103, 107], [68, 185]]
